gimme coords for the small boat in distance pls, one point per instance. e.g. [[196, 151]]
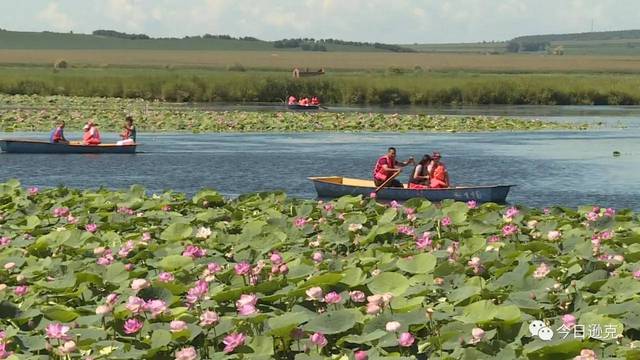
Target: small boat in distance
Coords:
[[17, 146], [302, 107], [336, 186]]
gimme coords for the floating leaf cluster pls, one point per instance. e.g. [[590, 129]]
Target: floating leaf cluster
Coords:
[[125, 274]]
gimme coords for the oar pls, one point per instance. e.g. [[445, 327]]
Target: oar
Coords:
[[387, 181]]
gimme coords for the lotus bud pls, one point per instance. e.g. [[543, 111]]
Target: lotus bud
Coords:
[[99, 250], [9, 265], [20, 278], [430, 313], [103, 309]]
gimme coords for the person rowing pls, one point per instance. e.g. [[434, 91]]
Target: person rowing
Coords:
[[386, 167], [439, 175], [419, 178], [315, 101], [292, 100], [57, 135]]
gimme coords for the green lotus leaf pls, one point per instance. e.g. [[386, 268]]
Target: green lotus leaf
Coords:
[[160, 338], [60, 313], [153, 292], [419, 264], [282, 325], [8, 310], [116, 273], [479, 312], [332, 322], [554, 349], [388, 282], [364, 339], [262, 345], [174, 262], [176, 232], [353, 277]]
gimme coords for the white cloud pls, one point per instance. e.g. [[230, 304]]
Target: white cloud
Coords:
[[131, 14], [55, 18]]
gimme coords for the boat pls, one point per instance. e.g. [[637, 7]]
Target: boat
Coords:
[[44, 147], [302, 107], [336, 186]]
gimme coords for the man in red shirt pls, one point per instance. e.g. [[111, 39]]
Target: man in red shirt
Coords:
[[388, 166]]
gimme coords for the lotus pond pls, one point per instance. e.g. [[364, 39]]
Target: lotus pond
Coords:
[[38, 113], [126, 275]]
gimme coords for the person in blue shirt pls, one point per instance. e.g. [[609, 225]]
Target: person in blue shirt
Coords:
[[57, 135]]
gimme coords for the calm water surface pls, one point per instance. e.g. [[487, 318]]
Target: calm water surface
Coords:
[[550, 168]]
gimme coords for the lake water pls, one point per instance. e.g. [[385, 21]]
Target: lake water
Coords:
[[568, 168]]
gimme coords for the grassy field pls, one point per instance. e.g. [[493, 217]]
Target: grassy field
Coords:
[[424, 88], [331, 61]]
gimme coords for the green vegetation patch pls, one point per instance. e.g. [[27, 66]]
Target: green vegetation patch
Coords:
[[24, 113], [126, 274]]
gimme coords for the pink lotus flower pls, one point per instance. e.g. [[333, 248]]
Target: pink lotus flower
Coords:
[[586, 354], [373, 309], [246, 310], [242, 268], [9, 266], [610, 212], [355, 227], [72, 219], [546, 211], [3, 351], [406, 339], [317, 257], [424, 242], [209, 318], [33, 191], [394, 204], [166, 208], [135, 304], [276, 258], [392, 326], [493, 239], [332, 298], [187, 353], [314, 293], [247, 299], [197, 292], [21, 290], [283, 269], [126, 249], [300, 222], [156, 307], [139, 284], [328, 207], [132, 326], [607, 235], [554, 235], [146, 237], [68, 347], [476, 265], [318, 339], [592, 216], [569, 321], [112, 298], [542, 271], [103, 309], [177, 326], [106, 258], [194, 252], [57, 331], [636, 274], [166, 277], [477, 335], [511, 213], [5, 241], [373, 195], [472, 204], [357, 296], [126, 211], [92, 228], [61, 212], [233, 341], [214, 268], [406, 230], [446, 221], [361, 355], [509, 229]]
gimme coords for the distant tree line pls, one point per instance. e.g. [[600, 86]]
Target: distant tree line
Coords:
[[121, 35], [514, 46], [311, 44]]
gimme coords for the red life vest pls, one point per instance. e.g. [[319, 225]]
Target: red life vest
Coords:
[[292, 100], [315, 101], [304, 101], [378, 172], [439, 177], [91, 136]]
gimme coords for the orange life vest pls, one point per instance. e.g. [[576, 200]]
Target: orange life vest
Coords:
[[292, 100], [378, 172], [92, 136]]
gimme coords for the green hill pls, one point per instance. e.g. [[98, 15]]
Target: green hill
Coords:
[[69, 41]]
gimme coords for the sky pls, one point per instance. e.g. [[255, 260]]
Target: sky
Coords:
[[390, 21]]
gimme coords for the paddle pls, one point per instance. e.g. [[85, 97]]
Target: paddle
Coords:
[[387, 181]]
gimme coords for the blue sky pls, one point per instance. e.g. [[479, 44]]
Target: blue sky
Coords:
[[391, 21]]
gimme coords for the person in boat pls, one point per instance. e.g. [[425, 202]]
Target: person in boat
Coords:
[[57, 135], [315, 101], [292, 100], [304, 101], [439, 176], [419, 178], [388, 166], [128, 133], [91, 134]]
